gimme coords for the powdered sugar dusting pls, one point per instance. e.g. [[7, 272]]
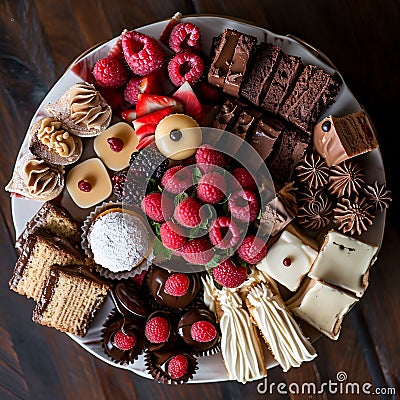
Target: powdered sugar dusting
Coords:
[[119, 241]]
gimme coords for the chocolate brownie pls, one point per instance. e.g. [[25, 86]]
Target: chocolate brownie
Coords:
[[227, 114]]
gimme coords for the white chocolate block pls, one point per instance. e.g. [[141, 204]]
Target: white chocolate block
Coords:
[[344, 261]]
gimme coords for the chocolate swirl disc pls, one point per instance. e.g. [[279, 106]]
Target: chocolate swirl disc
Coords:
[[317, 213], [132, 298], [346, 179], [379, 196], [313, 171]]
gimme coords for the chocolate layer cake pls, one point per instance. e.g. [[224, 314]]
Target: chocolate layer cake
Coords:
[[261, 72], [288, 69], [76, 289], [313, 91]]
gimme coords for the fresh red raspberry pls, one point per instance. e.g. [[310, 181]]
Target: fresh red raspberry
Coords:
[[252, 250], [197, 251], [177, 179], [178, 366], [203, 331], [157, 330], [243, 206], [142, 53], [131, 91], [208, 159], [224, 233], [185, 67], [185, 36], [211, 188], [228, 274], [187, 213], [151, 205], [177, 285], [110, 73], [245, 179], [124, 341], [172, 236]]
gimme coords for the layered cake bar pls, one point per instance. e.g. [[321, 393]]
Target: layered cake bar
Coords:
[[261, 72], [76, 289], [40, 252], [340, 138], [288, 69], [313, 91]]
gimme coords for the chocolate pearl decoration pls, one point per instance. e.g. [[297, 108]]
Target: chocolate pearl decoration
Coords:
[[326, 126], [175, 135]]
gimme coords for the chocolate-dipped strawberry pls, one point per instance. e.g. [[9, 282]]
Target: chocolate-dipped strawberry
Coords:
[[131, 299], [160, 331], [123, 338], [173, 290], [199, 331]]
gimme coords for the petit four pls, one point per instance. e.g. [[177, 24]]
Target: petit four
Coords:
[[289, 259], [340, 138], [344, 261], [50, 142], [88, 183], [322, 306], [76, 289], [115, 145]]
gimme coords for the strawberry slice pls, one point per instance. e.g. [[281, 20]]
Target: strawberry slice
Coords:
[[151, 84], [148, 103], [191, 104], [168, 29], [153, 118], [82, 69], [116, 51], [207, 93], [113, 97], [145, 130], [145, 142], [128, 115]]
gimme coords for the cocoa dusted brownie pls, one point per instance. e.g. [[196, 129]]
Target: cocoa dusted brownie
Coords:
[[261, 72], [313, 91], [288, 70]]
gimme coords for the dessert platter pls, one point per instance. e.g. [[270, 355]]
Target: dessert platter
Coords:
[[198, 200]]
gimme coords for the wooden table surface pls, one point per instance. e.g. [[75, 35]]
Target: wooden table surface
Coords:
[[38, 39]]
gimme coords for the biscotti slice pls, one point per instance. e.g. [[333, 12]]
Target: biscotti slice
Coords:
[[261, 72], [70, 298], [52, 219], [40, 252], [288, 69], [313, 91]]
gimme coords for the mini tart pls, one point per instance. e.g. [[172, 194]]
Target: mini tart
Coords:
[[62, 148], [157, 365], [108, 250], [131, 326]]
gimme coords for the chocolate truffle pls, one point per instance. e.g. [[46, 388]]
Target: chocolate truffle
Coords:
[[131, 299], [159, 331]]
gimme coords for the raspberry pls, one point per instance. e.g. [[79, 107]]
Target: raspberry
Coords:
[[185, 36], [252, 250], [245, 179], [203, 331], [84, 186], [177, 285], [211, 188], [124, 341], [177, 179], [178, 366], [224, 233], [151, 205], [185, 67], [243, 206], [131, 90], [157, 330], [197, 251], [171, 236], [142, 53], [208, 158], [187, 213], [228, 274], [110, 73], [116, 144]]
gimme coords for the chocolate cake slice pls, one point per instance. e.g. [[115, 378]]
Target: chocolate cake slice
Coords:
[[313, 91], [261, 72], [39, 253], [70, 298], [290, 150], [227, 114], [288, 69]]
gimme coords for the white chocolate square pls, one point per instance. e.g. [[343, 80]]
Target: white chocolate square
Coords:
[[301, 258], [344, 261], [323, 307]]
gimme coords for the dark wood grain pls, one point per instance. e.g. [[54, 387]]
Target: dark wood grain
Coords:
[[38, 39]]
